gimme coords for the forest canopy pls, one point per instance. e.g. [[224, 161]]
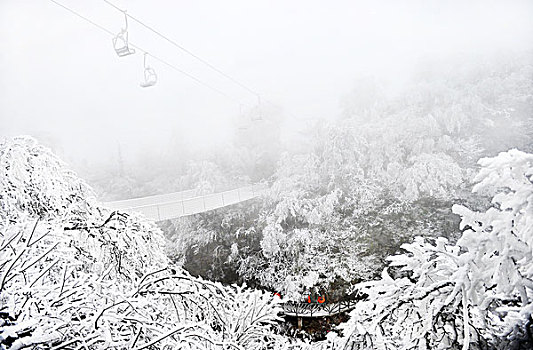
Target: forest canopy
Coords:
[[389, 169]]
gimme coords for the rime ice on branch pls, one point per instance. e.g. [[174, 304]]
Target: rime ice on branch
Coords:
[[73, 274], [473, 294]]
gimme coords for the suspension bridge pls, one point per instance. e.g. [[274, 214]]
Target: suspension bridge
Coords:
[[316, 310], [174, 205], [303, 311]]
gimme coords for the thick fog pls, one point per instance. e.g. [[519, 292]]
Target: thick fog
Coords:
[[305, 175], [62, 82]]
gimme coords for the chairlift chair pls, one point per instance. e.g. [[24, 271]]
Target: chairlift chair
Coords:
[[257, 115], [150, 76], [243, 125], [120, 41]]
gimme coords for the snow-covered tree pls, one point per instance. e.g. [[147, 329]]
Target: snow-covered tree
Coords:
[[34, 181], [389, 170], [75, 275], [472, 294]]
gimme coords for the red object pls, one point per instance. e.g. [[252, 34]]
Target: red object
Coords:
[[279, 295], [321, 299], [309, 299]]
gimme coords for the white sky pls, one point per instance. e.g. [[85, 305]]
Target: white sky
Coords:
[[60, 78]]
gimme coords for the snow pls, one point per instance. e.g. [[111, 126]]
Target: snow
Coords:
[[455, 292], [76, 274]]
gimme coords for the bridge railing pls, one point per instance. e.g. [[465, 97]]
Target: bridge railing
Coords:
[[177, 204], [150, 200]]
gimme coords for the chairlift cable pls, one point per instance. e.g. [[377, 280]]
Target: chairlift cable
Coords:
[[173, 66], [83, 17], [191, 76], [250, 90], [186, 50], [153, 56]]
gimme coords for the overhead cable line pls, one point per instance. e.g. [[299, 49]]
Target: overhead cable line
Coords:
[[181, 47], [83, 17], [219, 71], [146, 52]]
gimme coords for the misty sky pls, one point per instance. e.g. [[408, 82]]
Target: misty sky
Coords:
[[61, 81]]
